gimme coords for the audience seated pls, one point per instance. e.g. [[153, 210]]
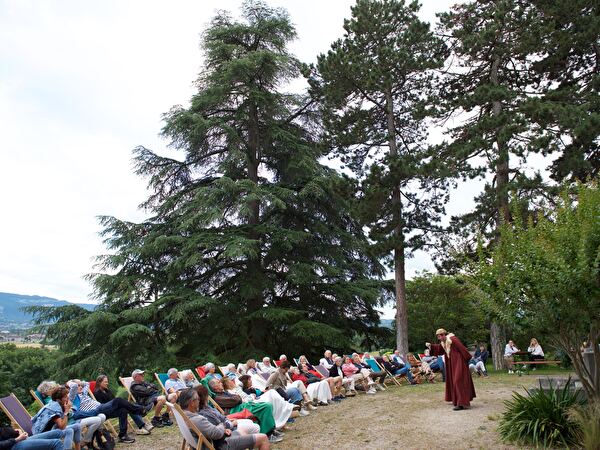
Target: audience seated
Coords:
[[282, 410], [376, 375], [211, 371], [231, 372], [336, 372], [436, 363], [174, 385], [318, 390], [398, 369], [103, 394], [266, 366], [352, 371], [327, 360], [535, 351], [54, 416], [509, 358], [46, 388], [293, 392], [148, 395], [232, 403], [477, 363], [13, 439], [223, 437], [84, 406], [188, 378]]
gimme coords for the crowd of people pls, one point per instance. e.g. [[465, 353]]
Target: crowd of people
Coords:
[[274, 395]]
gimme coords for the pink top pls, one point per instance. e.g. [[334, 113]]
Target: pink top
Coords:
[[349, 369]]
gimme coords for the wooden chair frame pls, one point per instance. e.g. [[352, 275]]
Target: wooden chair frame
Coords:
[[13, 421], [202, 441]]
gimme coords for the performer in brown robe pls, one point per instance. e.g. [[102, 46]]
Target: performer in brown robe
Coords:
[[459, 384]]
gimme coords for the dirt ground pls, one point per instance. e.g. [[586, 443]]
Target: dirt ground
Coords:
[[408, 417]]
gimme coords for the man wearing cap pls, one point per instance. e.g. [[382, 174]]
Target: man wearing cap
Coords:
[[174, 385], [148, 395], [459, 384]]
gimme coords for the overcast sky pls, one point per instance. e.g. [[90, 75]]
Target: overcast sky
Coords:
[[81, 84]]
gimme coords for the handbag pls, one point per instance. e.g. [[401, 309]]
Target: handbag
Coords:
[[103, 440], [243, 414]]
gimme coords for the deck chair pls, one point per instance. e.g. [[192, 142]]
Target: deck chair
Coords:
[[16, 412], [322, 370], [126, 382], [161, 378], [297, 361], [201, 372], [188, 429], [110, 426], [211, 402], [223, 370], [242, 368], [376, 367], [277, 362], [37, 397]]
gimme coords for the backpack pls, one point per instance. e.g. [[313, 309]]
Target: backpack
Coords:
[[103, 440]]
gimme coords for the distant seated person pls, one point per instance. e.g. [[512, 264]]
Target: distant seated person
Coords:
[[397, 358], [104, 395], [477, 363], [509, 359], [318, 390], [211, 371], [148, 395], [231, 372], [436, 363], [336, 373], [222, 437], [327, 360], [13, 439], [189, 379], [398, 369], [46, 389], [378, 376], [535, 351], [174, 385], [267, 367], [359, 375]]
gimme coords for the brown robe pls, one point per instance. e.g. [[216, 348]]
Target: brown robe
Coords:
[[459, 384]]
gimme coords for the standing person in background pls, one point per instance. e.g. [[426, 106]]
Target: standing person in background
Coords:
[[535, 351], [459, 384], [509, 358]]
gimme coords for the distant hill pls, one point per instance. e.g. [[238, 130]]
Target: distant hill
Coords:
[[386, 323], [11, 314]]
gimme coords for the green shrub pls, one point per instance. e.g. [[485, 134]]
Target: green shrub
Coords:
[[541, 418], [588, 420]]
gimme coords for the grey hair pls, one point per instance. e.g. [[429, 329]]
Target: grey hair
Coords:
[[47, 387], [209, 365], [186, 397], [231, 366], [212, 382]]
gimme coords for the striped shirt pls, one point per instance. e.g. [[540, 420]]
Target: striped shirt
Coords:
[[83, 401]]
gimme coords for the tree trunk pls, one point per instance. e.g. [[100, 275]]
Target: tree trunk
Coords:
[[398, 237], [256, 330], [497, 339], [503, 208]]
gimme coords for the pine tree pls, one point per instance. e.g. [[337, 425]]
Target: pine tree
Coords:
[[489, 87], [251, 239], [375, 84], [567, 61]]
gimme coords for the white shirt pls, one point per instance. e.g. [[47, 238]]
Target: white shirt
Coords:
[[267, 369], [325, 364], [537, 350], [509, 350]]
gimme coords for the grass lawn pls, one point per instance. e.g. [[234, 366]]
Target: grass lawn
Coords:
[[413, 417]]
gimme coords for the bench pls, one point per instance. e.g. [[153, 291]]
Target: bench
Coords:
[[537, 362]]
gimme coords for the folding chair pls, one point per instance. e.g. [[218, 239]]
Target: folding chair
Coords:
[[297, 361], [162, 379], [322, 370], [376, 367], [277, 362], [201, 372], [16, 412], [188, 429], [37, 397], [126, 382], [242, 368], [210, 400], [223, 370], [107, 423]]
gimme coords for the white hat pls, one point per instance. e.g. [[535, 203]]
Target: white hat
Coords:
[[137, 372]]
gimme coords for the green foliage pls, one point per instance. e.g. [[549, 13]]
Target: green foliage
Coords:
[[587, 419], [546, 272], [541, 418], [250, 237], [22, 369], [436, 301], [374, 85]]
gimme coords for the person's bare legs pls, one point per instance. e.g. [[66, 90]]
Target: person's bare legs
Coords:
[[160, 402], [262, 442]]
